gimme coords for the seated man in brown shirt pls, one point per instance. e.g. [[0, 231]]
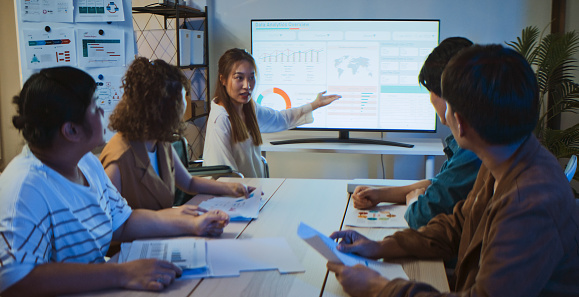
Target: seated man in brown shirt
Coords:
[[517, 233]]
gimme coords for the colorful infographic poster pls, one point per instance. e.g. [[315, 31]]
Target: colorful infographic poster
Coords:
[[47, 11], [50, 49], [99, 11]]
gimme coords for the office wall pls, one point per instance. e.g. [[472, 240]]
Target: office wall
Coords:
[[11, 141], [482, 21], [489, 21]]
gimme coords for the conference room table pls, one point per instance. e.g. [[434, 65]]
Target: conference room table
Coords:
[[320, 203]]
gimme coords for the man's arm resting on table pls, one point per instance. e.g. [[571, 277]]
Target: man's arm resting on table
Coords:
[[365, 196]]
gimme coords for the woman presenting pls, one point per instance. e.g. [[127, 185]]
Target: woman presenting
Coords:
[[236, 122]]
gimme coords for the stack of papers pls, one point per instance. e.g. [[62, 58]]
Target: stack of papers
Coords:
[[238, 209], [329, 249]]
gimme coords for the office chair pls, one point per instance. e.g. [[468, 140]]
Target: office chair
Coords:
[[180, 146]]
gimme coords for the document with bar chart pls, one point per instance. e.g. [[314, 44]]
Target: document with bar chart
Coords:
[[101, 50]]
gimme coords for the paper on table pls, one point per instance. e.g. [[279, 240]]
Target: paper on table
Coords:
[[228, 257], [238, 209], [187, 253], [328, 248], [384, 215]]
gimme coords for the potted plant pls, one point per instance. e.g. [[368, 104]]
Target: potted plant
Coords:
[[552, 58]]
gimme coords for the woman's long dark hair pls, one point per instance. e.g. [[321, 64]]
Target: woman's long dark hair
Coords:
[[240, 130]]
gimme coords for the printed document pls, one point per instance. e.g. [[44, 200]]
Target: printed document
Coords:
[[329, 249], [187, 253], [238, 209], [216, 258], [383, 215]]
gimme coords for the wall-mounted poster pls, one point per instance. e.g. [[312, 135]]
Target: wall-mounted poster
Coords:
[[101, 48], [49, 49], [47, 11], [99, 11]]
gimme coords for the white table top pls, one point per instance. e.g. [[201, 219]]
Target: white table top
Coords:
[[317, 202]]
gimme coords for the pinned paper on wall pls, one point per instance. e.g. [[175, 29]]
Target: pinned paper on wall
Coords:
[[109, 93], [49, 49], [99, 11], [101, 48], [47, 11]]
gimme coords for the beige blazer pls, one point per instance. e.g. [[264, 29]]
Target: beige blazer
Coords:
[[141, 185]]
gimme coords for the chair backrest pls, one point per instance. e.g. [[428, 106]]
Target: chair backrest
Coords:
[[180, 146], [571, 167], [265, 167]]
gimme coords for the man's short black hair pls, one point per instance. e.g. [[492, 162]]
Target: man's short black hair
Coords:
[[495, 90], [434, 64]]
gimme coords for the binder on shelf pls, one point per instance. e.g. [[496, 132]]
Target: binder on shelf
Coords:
[[197, 49], [185, 47]]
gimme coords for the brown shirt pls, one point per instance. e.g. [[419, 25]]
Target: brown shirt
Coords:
[[522, 240], [141, 185]]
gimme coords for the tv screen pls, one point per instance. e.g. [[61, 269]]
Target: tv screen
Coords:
[[373, 64]]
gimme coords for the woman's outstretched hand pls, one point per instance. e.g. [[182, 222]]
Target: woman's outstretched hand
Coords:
[[323, 100]]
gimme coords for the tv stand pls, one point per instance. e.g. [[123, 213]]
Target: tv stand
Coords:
[[344, 137]]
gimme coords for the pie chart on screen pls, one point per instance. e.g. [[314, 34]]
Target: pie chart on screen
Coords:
[[274, 98]]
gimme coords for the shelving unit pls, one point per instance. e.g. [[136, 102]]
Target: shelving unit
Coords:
[[173, 17]]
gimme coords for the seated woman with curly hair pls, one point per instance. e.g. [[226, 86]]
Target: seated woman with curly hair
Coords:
[[139, 159]]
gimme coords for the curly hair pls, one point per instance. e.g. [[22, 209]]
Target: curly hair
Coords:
[[49, 99], [152, 104], [240, 130]]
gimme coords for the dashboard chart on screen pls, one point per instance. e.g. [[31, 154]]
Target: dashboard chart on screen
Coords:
[[372, 64]]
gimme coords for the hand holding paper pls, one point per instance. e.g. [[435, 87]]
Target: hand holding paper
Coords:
[[238, 209], [329, 249], [354, 242]]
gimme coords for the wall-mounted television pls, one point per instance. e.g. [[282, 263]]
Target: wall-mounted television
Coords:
[[373, 64]]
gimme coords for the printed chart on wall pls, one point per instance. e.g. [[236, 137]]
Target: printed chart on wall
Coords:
[[49, 49], [47, 11], [109, 94], [385, 215], [99, 11], [101, 48]]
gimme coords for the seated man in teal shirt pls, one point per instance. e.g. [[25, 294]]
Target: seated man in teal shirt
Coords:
[[428, 198]]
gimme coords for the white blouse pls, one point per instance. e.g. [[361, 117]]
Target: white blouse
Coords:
[[245, 157]]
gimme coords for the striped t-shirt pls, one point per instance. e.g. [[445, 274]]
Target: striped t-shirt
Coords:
[[45, 218]]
